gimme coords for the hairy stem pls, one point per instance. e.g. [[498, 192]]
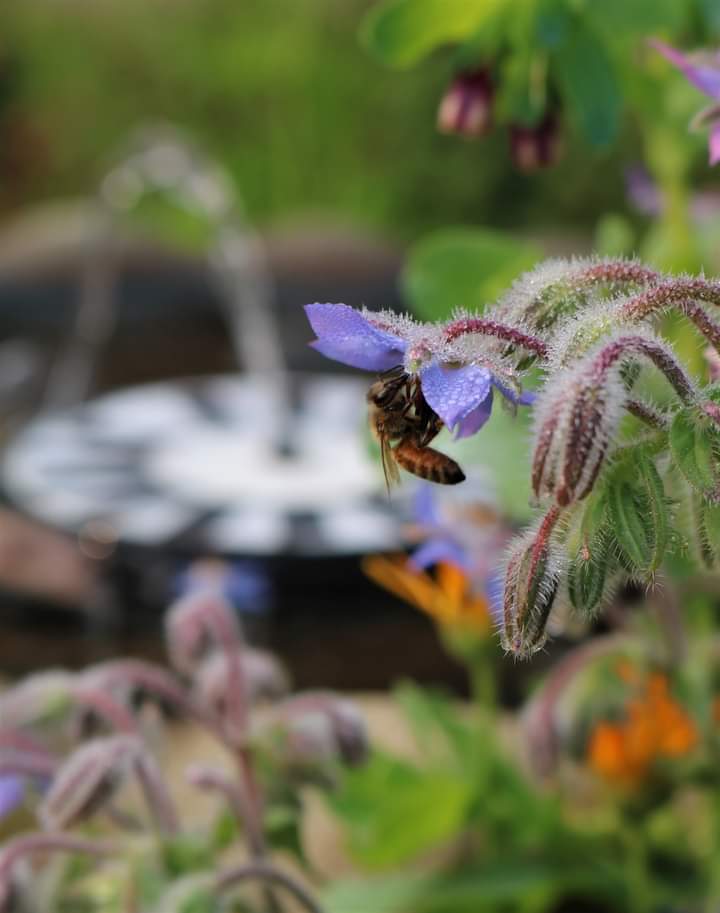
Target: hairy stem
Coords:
[[485, 327], [270, 874]]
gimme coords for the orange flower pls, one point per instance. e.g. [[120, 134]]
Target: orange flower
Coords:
[[655, 726], [447, 597]]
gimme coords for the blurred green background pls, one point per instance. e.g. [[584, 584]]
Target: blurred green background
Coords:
[[286, 97]]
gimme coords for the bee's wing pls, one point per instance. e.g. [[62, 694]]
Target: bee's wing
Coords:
[[390, 468]]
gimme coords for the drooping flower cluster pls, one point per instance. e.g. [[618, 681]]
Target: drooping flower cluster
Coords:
[[273, 742], [467, 109], [624, 476]]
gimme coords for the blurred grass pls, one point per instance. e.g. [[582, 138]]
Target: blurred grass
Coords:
[[284, 95]]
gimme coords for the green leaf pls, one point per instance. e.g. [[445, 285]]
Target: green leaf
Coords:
[[402, 32], [503, 884], [390, 894], [436, 724], [393, 811], [638, 522], [587, 576], [283, 827], [694, 448], [589, 85], [463, 267], [710, 11], [623, 19], [186, 853], [709, 531]]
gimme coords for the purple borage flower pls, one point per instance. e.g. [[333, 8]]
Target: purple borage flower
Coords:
[[703, 71], [473, 537], [12, 792], [461, 395]]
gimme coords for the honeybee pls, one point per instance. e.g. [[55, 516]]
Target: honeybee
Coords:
[[404, 424]]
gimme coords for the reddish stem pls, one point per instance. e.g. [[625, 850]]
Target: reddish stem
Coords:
[[28, 845], [268, 873], [503, 331]]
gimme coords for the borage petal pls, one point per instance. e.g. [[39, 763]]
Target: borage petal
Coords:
[[703, 75], [12, 791], [462, 397], [526, 398], [345, 335], [714, 144], [425, 506], [435, 551]]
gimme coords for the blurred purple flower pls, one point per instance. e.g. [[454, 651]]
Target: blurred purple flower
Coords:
[[461, 396], [533, 148], [441, 543], [466, 107], [703, 71], [12, 792], [647, 198], [469, 534], [245, 584]]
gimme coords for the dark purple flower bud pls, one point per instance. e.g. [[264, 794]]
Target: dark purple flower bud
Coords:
[[88, 780], [533, 148], [532, 579], [466, 108]]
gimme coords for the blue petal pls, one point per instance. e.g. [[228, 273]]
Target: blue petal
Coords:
[[425, 508], [474, 420], [344, 335], [526, 398], [702, 70], [436, 550], [461, 396], [12, 790], [494, 590]]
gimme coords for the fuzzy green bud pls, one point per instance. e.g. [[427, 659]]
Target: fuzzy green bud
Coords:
[[532, 578]]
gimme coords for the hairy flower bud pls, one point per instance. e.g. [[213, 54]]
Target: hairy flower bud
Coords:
[[466, 107], [265, 678], [557, 289], [306, 735], [88, 780], [37, 700], [579, 413], [533, 148], [198, 623], [532, 578]]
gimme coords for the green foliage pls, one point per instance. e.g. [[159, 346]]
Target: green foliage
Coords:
[[621, 21], [589, 84], [419, 809], [696, 451], [591, 560], [463, 268], [402, 32], [639, 523], [529, 858]]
